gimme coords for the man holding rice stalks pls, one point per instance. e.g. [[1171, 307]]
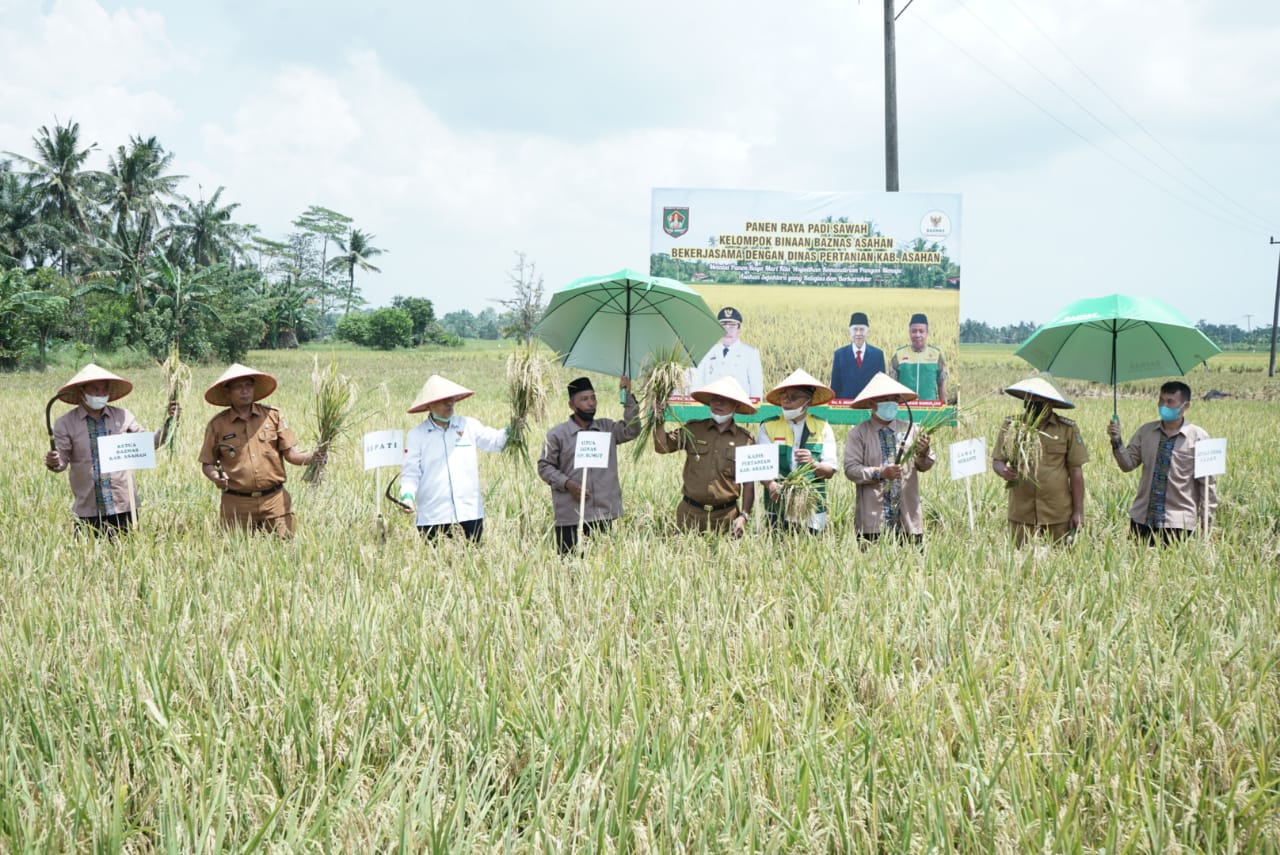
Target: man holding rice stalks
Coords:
[[1040, 456], [711, 493], [797, 498], [245, 447], [884, 456], [440, 478], [556, 466], [101, 502]]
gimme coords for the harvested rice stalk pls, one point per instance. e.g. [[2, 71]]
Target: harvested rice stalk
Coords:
[[528, 374], [177, 381], [334, 411], [662, 376], [1020, 447], [798, 493]]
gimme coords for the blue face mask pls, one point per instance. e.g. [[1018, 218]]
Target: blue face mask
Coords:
[[887, 411], [1168, 414]]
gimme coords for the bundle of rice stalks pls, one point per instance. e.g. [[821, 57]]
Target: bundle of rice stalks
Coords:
[[334, 411], [661, 378], [177, 381], [798, 496], [528, 375], [1020, 447]]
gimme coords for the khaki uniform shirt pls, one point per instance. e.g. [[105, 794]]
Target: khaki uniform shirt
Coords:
[[710, 462], [71, 438], [556, 467], [863, 458], [1047, 499], [259, 443], [1185, 496]]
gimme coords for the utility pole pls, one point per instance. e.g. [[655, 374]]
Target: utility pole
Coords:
[[890, 102], [1248, 322], [1275, 317]]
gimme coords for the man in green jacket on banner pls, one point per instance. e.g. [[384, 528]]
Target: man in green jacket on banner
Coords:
[[919, 366]]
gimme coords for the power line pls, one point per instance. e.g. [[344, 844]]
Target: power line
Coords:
[[1189, 203], [1135, 121], [1260, 226]]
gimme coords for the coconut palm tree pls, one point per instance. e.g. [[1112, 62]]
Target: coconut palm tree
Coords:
[[205, 231], [62, 185], [357, 248]]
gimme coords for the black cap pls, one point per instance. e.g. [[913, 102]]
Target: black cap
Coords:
[[859, 319], [582, 384], [919, 318], [729, 313]]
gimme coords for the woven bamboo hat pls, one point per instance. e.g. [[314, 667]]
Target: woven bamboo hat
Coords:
[[881, 388], [438, 388], [1039, 387], [71, 393], [726, 387], [800, 377], [263, 385]]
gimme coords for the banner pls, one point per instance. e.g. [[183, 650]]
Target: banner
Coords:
[[842, 285]]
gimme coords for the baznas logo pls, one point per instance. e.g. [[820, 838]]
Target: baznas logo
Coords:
[[675, 221], [935, 224]]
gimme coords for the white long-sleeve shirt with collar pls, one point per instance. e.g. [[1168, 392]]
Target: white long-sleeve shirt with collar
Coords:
[[441, 471]]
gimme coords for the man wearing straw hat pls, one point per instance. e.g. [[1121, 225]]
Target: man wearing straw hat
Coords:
[[556, 467], [441, 475], [102, 503], [245, 448], [1171, 502], [884, 456], [710, 500], [802, 439], [1040, 455]]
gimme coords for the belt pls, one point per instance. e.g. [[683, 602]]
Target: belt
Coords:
[[709, 508], [257, 493]]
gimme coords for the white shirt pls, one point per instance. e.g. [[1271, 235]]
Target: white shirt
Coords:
[[441, 471], [742, 363]]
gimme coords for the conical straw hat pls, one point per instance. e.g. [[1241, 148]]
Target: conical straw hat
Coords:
[[117, 387], [1040, 387], [263, 385], [882, 388], [438, 388], [726, 387], [800, 377]]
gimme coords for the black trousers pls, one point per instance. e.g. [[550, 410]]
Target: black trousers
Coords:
[[105, 526], [471, 530], [1157, 536], [567, 535]]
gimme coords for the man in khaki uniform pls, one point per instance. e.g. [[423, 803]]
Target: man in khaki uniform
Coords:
[[884, 456], [244, 450], [1049, 499], [710, 501]]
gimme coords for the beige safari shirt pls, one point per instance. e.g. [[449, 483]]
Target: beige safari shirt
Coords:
[[710, 463], [255, 460], [1047, 499]]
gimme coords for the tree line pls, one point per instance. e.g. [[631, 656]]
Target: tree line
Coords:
[[1225, 336]]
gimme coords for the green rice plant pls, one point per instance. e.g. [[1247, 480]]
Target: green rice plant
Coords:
[[334, 414], [663, 375], [528, 374]]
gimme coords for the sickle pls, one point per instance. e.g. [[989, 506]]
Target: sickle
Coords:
[[911, 420], [48, 422], [217, 458], [391, 497]]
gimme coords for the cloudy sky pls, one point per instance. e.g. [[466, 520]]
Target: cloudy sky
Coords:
[[1099, 146]]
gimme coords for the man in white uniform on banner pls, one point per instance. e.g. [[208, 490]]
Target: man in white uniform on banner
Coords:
[[731, 357]]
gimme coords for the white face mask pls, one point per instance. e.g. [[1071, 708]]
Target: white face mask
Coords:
[[792, 415], [887, 411], [96, 402], [721, 419]]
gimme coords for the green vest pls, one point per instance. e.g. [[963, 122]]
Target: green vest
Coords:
[[781, 435], [919, 371]]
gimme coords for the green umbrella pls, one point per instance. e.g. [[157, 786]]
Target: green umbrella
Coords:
[[1114, 338], [611, 323]]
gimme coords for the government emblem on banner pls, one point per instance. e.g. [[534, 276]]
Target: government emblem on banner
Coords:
[[675, 221]]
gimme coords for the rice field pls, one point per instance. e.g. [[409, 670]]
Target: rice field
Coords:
[[192, 690]]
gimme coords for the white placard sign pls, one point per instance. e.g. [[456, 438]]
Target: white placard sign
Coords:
[[592, 450], [123, 451], [968, 457], [756, 463], [1211, 457], [383, 448]]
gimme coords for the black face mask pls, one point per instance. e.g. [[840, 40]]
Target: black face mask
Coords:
[[587, 416]]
